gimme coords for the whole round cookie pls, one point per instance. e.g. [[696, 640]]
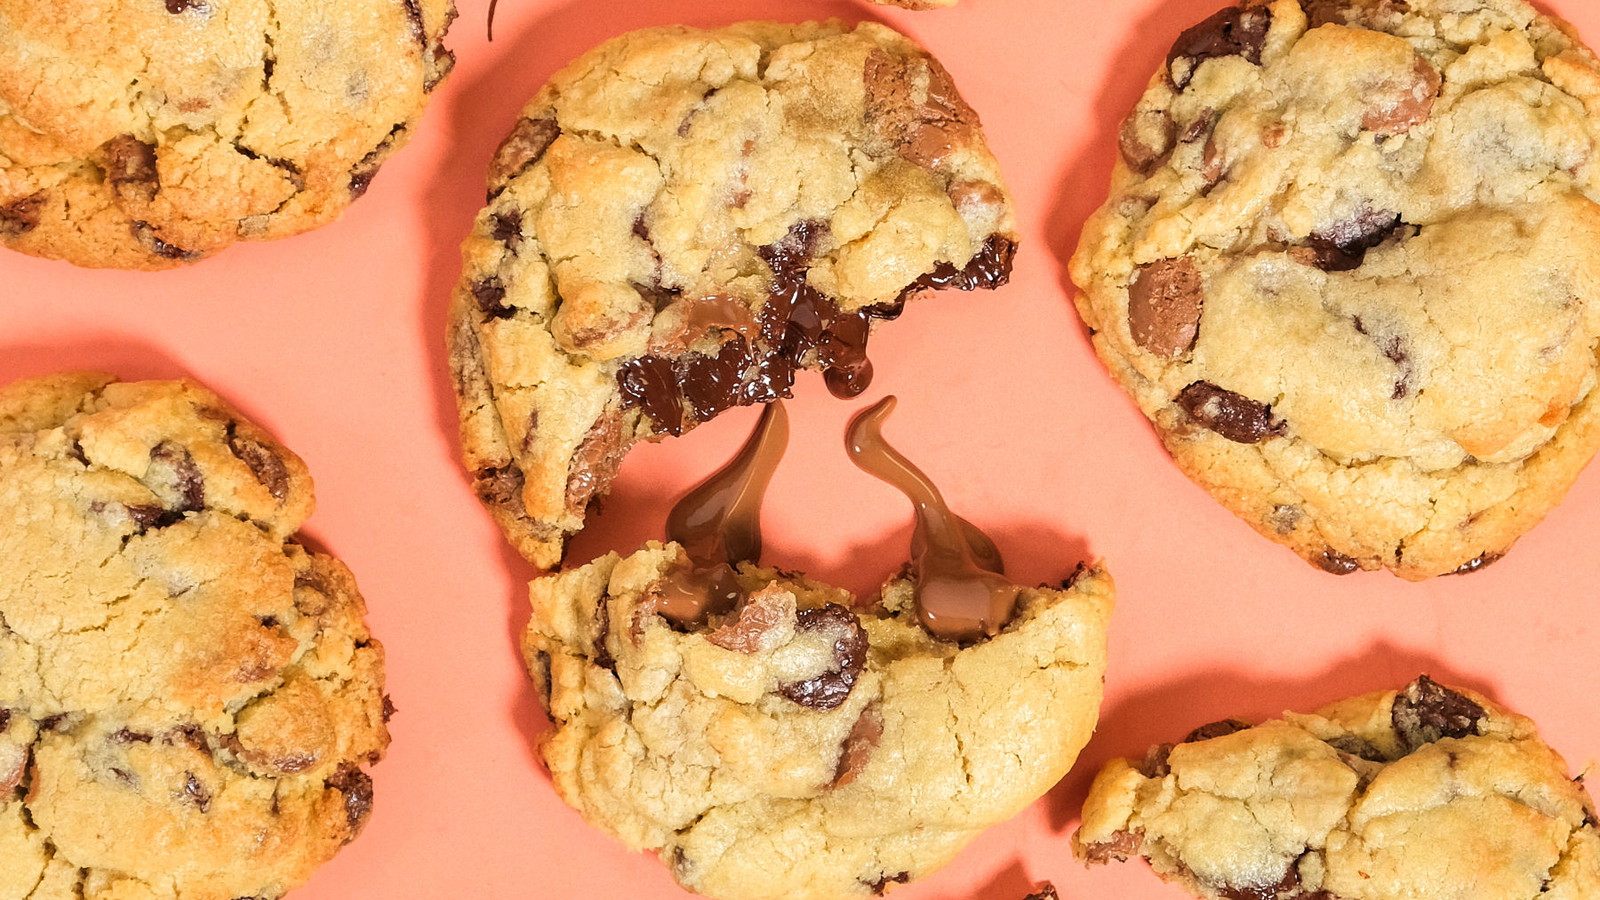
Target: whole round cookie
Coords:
[[679, 221], [1427, 791], [1349, 269], [188, 696], [142, 134], [776, 741]]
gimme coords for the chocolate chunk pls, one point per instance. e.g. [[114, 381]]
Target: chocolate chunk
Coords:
[[687, 595], [595, 462], [858, 746], [498, 486], [21, 216], [1165, 300], [148, 517], [1331, 560], [602, 631], [263, 462], [758, 616], [830, 689], [526, 145], [186, 478], [356, 786], [1154, 764], [1326, 12], [1215, 730], [131, 167], [988, 269], [1146, 139], [883, 882], [1122, 846], [913, 104], [651, 384], [1233, 416], [1046, 891], [489, 294], [1477, 563], [388, 708], [1398, 114], [1237, 31], [507, 228], [1343, 246], [178, 7], [196, 792], [145, 233], [1426, 711]]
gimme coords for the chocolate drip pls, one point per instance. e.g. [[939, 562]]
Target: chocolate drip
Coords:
[[961, 593], [720, 520]]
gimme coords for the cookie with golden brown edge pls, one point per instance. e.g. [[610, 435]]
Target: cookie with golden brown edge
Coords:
[[144, 134], [1427, 791], [1342, 271], [188, 697], [683, 219], [793, 744]]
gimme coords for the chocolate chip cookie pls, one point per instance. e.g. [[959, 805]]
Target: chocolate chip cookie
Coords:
[[188, 697], [770, 739], [1348, 269], [680, 221], [142, 134], [1427, 791]]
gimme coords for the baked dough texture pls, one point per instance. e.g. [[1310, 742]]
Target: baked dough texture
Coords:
[[798, 746], [1425, 792], [144, 134], [188, 697], [1348, 268], [682, 219]]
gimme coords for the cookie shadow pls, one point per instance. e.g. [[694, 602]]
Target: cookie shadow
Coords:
[[527, 710], [1084, 182], [1169, 710], [127, 359]]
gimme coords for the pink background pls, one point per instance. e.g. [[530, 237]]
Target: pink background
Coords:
[[334, 341]]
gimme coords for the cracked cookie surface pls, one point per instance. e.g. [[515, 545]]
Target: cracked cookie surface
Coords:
[[187, 696], [682, 219], [144, 134], [794, 746], [1347, 268], [1423, 792]]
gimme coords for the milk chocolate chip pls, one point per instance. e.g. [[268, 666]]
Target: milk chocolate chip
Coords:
[[1165, 300], [21, 216], [858, 746], [1426, 711], [831, 688], [1233, 416], [1398, 112], [177, 468], [1332, 561], [757, 617], [1122, 846], [1237, 31], [356, 786], [131, 167], [1477, 563], [178, 7], [1146, 139], [526, 144], [263, 462], [1046, 891], [1215, 730]]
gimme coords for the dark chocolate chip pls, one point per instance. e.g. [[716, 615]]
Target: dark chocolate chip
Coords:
[[5, 720], [1215, 730], [499, 485], [51, 723], [363, 172], [263, 461], [1356, 746], [356, 786], [1477, 563], [524, 146], [1344, 245], [1046, 891], [1233, 416], [1122, 846], [489, 293], [830, 689], [1426, 711], [196, 792], [1165, 301], [128, 736], [1326, 12], [1154, 764], [145, 233], [507, 228], [1236, 31], [1331, 560], [131, 167], [988, 269], [388, 708], [1201, 126], [21, 216], [178, 7], [148, 517], [1289, 884], [186, 478], [883, 882], [602, 632]]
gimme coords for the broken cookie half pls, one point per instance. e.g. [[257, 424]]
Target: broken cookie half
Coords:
[[1427, 791], [770, 737], [679, 222]]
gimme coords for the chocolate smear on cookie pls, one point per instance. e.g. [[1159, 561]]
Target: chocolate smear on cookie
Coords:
[[961, 592]]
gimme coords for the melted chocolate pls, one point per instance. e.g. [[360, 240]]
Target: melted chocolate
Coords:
[[720, 520], [798, 327], [961, 593]]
